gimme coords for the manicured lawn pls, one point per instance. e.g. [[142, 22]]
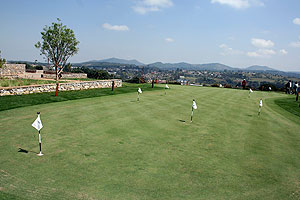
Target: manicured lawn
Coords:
[[113, 147], [20, 82], [290, 104], [10, 102]]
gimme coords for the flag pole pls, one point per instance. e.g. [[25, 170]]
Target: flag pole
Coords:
[[192, 114], [138, 99], [40, 140]]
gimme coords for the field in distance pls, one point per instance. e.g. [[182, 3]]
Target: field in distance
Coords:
[[113, 147]]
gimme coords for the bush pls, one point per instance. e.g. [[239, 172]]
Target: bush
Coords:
[[93, 73], [39, 67], [266, 86], [215, 85]]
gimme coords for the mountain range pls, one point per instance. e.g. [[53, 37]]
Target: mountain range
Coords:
[[116, 60], [170, 66]]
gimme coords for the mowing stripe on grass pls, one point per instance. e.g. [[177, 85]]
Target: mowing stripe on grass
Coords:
[[17, 101]]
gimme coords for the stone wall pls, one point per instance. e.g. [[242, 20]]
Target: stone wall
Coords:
[[12, 70], [66, 75], [19, 71], [83, 85]]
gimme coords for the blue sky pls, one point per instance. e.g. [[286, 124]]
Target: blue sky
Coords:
[[238, 33]]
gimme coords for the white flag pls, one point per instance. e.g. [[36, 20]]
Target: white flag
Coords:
[[38, 123], [140, 91], [194, 105], [260, 103], [250, 90], [167, 87]]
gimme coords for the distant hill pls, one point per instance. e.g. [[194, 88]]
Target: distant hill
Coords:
[[161, 65], [259, 68], [119, 61], [116, 62], [215, 67], [187, 66]]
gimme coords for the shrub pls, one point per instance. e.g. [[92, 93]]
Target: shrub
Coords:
[[265, 87], [215, 85]]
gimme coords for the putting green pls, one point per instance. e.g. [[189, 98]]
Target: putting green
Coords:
[[114, 147]]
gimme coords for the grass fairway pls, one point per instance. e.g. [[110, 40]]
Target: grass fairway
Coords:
[[113, 147]]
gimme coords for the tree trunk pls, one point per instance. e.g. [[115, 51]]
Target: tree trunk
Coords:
[[56, 94]]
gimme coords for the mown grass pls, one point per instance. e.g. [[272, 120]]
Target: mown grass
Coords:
[[4, 82], [289, 104], [17, 101], [114, 147]]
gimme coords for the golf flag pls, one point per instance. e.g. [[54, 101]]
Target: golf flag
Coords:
[[260, 103], [37, 124], [140, 91], [194, 105], [260, 106], [167, 87], [250, 91]]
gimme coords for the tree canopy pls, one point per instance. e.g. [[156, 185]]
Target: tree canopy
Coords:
[[2, 61], [58, 45]]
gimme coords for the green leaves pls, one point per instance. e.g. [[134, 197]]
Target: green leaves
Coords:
[[2, 61], [58, 44]]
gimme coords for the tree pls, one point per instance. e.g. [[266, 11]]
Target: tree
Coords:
[[2, 61], [58, 45]]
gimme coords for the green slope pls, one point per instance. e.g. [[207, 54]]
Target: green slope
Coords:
[[113, 147]]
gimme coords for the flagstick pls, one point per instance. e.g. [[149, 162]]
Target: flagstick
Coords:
[[40, 141], [165, 92], [192, 114], [138, 99]]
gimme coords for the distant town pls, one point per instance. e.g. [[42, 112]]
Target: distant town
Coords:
[[213, 74]]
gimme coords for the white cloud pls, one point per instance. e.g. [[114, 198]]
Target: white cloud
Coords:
[[253, 54], [239, 4], [223, 46], [226, 50], [283, 52], [295, 44], [158, 3], [296, 21], [262, 53], [266, 52], [261, 43], [144, 6], [115, 27], [169, 40]]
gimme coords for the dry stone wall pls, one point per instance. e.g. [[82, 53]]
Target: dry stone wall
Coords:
[[62, 87], [66, 75], [12, 70]]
